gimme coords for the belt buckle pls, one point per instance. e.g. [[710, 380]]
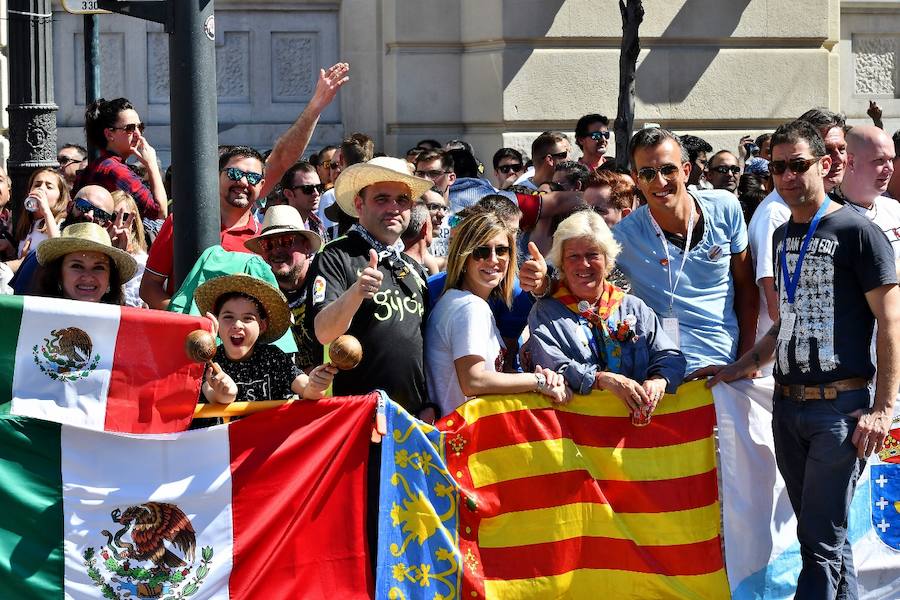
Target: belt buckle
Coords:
[[798, 393]]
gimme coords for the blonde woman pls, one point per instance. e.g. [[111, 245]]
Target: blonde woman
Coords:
[[592, 332], [137, 243], [464, 353]]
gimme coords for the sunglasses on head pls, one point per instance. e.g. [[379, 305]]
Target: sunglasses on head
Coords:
[[484, 252], [725, 169], [308, 188], [599, 135], [510, 168], [236, 174], [267, 244], [648, 174], [130, 128], [101, 217], [796, 165]]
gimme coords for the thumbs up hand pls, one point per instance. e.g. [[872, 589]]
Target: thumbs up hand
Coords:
[[369, 281], [533, 273]]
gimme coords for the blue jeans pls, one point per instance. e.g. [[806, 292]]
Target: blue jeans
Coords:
[[817, 459]]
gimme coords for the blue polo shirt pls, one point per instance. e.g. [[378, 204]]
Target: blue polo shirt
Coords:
[[704, 297]]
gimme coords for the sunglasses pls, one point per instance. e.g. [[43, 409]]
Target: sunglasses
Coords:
[[435, 207], [65, 160], [327, 164], [724, 170], [431, 174], [308, 188], [599, 135], [511, 168], [236, 174], [559, 155], [130, 128], [484, 252], [101, 217], [796, 165], [648, 174], [267, 244]]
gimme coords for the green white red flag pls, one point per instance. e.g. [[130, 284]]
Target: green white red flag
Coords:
[[97, 366]]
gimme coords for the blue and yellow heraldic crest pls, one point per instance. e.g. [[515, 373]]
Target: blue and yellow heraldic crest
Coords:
[[884, 480]]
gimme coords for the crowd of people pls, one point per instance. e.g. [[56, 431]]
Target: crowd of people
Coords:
[[550, 271]]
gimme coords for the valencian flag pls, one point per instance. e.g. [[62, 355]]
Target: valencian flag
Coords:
[[270, 506], [97, 365], [572, 501]]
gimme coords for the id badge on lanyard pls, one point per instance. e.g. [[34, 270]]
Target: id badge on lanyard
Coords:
[[670, 321], [789, 319]]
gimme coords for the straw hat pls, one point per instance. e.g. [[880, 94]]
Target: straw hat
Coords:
[[382, 168], [86, 237], [282, 219], [269, 297]]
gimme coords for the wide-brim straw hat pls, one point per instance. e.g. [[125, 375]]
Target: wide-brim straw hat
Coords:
[[283, 219], [268, 296], [379, 169], [86, 237]]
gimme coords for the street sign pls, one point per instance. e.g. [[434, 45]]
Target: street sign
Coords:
[[83, 7]]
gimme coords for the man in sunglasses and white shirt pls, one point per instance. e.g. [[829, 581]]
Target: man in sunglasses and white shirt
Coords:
[[302, 189], [592, 136], [685, 254], [240, 181]]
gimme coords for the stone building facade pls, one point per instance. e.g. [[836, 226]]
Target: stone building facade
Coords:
[[497, 72]]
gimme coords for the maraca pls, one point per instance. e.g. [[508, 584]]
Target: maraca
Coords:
[[345, 352], [200, 346]]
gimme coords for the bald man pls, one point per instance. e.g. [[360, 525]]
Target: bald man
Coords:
[[870, 164]]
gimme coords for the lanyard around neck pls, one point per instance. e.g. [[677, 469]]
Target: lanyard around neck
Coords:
[[673, 285], [790, 283]]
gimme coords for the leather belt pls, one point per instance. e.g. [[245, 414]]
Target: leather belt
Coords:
[[825, 391]]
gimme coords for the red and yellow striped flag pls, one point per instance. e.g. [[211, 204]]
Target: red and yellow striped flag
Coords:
[[575, 502]]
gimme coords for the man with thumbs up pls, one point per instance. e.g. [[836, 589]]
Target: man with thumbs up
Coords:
[[362, 285]]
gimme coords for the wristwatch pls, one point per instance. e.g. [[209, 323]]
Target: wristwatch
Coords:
[[541, 382]]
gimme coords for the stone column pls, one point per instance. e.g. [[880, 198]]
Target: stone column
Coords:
[[32, 111]]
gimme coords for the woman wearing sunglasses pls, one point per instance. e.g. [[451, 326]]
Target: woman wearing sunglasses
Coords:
[[464, 353], [592, 332], [115, 128]]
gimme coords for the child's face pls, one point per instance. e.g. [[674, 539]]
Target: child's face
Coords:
[[239, 327]]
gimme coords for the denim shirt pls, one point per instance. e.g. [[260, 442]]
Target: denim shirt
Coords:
[[559, 342]]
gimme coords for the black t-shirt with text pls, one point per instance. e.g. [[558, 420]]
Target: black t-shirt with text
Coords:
[[389, 326], [847, 257]]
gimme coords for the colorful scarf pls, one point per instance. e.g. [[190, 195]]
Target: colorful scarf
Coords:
[[599, 324]]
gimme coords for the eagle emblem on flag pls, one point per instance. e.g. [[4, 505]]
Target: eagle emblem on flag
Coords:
[[66, 354], [148, 566]]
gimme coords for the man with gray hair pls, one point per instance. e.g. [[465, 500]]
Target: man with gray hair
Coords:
[[417, 237], [685, 253]]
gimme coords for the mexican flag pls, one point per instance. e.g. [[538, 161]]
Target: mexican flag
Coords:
[[270, 506], [97, 365]]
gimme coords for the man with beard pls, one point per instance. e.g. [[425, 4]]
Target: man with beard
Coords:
[[240, 181], [363, 286], [288, 247]]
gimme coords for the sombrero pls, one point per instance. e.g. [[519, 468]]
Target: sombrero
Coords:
[[379, 169], [270, 298], [86, 237], [282, 219]]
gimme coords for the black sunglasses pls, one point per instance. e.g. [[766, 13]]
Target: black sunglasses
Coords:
[[648, 174], [724, 169], [796, 165], [130, 128], [484, 252], [236, 174], [598, 135], [511, 168], [308, 188], [558, 155], [65, 160], [101, 217]]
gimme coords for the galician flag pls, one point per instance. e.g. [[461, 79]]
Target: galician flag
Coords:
[[96, 365], [270, 506]]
